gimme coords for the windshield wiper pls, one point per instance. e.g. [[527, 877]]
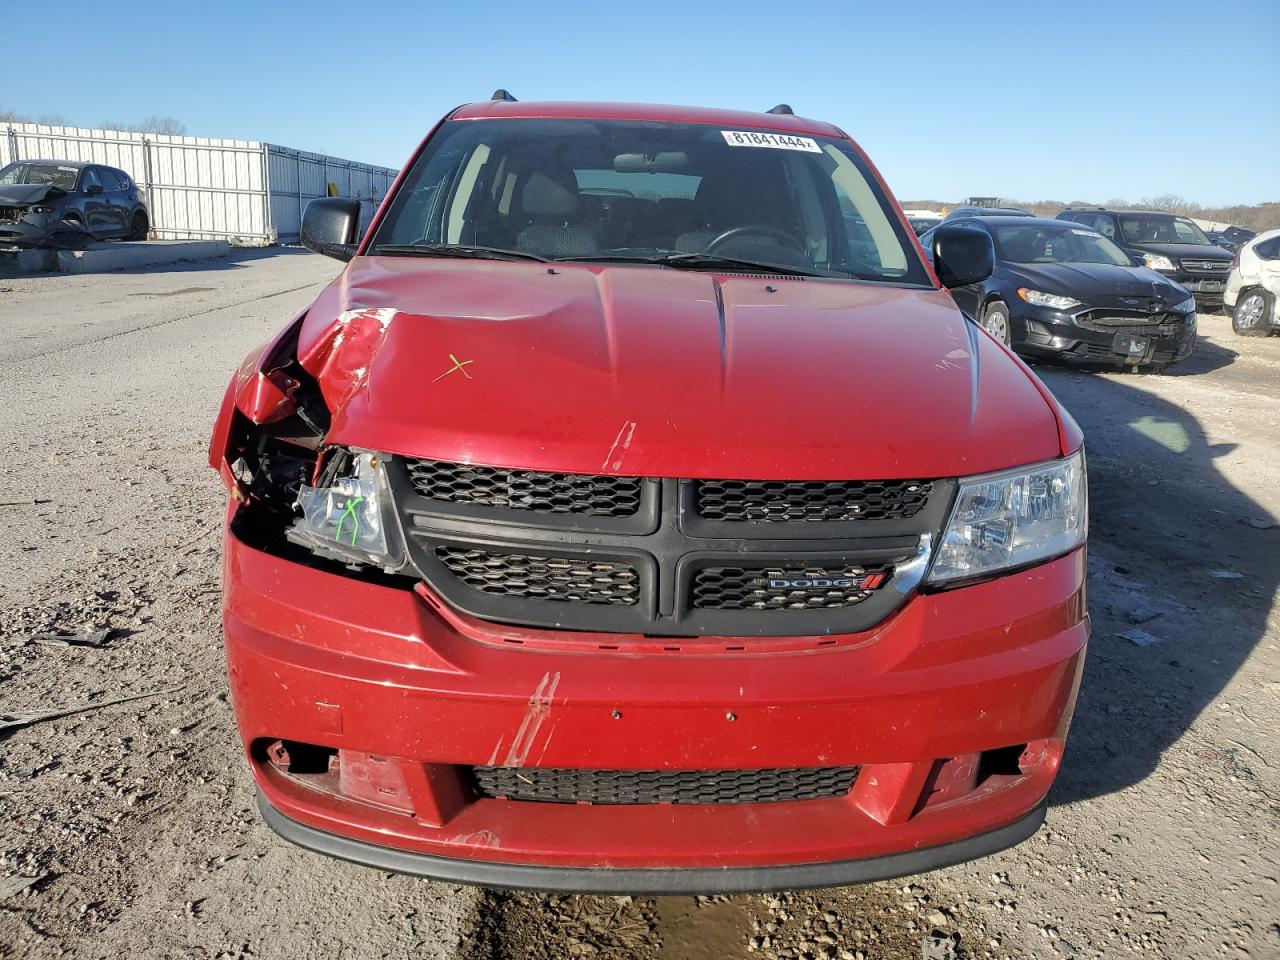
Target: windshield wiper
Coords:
[[454, 250], [712, 260], [715, 260]]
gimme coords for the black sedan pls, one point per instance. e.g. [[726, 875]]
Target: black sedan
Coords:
[[1065, 291], [61, 203]]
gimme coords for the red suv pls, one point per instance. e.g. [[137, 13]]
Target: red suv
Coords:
[[637, 511]]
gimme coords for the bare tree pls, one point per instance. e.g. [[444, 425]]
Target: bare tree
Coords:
[[153, 124], [49, 119], [161, 124]]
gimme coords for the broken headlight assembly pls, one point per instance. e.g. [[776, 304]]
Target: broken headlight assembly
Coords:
[[1015, 518], [348, 515]]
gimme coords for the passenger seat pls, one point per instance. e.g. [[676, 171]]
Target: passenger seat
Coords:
[[550, 199]]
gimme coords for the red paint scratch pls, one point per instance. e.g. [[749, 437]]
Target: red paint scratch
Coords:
[[534, 717], [613, 461]]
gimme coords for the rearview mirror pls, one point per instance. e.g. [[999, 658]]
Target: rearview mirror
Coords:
[[668, 161], [330, 226], [962, 255]]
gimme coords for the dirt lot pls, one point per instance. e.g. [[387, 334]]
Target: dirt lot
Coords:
[[137, 820]]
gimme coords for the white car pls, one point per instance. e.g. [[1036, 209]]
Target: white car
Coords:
[[1253, 286]]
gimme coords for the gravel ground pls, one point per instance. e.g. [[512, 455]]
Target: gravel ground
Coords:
[[135, 823]]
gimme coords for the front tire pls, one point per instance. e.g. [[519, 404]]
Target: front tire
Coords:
[[1253, 314], [138, 226], [995, 320]]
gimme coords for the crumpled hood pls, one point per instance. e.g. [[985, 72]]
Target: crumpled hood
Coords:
[[653, 372], [19, 194], [1100, 284]]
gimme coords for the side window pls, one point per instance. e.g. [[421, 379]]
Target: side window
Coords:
[[1268, 249], [456, 218], [1184, 232], [872, 241], [114, 179], [1106, 225], [89, 179]]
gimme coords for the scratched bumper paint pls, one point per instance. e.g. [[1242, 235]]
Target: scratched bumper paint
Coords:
[[328, 660]]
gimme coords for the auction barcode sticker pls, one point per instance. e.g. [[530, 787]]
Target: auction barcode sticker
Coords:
[[777, 141]]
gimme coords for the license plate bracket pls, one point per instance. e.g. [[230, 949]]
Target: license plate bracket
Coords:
[[1131, 347]]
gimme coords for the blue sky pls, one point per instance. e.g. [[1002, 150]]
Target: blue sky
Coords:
[[1074, 100]]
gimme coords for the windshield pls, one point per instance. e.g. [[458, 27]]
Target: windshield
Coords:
[[1039, 244], [64, 178], [1145, 228], [640, 191]]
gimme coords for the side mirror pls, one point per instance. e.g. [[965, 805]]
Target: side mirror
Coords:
[[331, 226], [93, 189], [962, 255], [1138, 259]]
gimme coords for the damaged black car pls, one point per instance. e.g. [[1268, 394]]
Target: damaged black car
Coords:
[[1065, 291], [61, 203]]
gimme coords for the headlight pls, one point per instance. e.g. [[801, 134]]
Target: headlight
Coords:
[[1157, 262], [1040, 299], [1186, 306], [1013, 519], [349, 515]]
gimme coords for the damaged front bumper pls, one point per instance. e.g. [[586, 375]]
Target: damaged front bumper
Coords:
[[20, 229], [371, 713], [1093, 335]]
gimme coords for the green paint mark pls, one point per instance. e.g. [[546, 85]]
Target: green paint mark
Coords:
[[1168, 433], [349, 510]]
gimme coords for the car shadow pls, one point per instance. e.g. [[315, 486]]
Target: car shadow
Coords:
[[1181, 583], [236, 260]]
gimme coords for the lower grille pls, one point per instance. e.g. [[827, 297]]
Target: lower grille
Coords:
[[566, 579], [663, 786], [774, 588]]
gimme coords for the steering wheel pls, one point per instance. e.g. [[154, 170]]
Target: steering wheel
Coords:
[[784, 238]]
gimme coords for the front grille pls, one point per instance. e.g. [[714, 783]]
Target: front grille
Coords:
[[663, 786], [565, 579], [10, 214], [697, 558], [776, 588], [1137, 322], [596, 496], [1206, 266], [786, 501], [1156, 330]]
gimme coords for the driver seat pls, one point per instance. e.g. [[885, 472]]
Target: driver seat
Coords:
[[729, 201]]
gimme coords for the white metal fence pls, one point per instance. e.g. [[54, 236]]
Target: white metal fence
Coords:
[[198, 187]]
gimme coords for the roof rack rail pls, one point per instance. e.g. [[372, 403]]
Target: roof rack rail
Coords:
[[501, 94], [784, 108]]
